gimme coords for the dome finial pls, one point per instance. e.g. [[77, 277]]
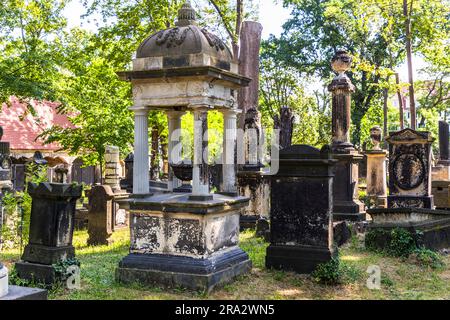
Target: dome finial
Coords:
[[186, 15]]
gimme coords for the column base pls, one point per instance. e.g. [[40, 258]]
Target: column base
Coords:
[[40, 273], [348, 210], [248, 222], [411, 202], [176, 271], [301, 259], [206, 197], [47, 255], [23, 293]]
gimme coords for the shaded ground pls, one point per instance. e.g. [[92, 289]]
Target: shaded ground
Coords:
[[400, 279]]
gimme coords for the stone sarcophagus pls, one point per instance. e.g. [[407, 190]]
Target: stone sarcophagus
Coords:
[[301, 210], [51, 230], [410, 169]]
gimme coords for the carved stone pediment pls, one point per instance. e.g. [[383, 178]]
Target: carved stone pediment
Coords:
[[409, 135]]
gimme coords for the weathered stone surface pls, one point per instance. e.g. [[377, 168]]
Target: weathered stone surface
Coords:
[[410, 169], [193, 244], [376, 177], [255, 186], [51, 230], [100, 225], [441, 194], [250, 43], [347, 205], [301, 210], [345, 188], [112, 166], [127, 182], [430, 228], [444, 143]]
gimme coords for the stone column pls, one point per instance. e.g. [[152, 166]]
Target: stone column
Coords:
[[345, 190], [376, 170], [444, 142], [141, 179], [229, 151], [112, 163], [174, 152], [200, 174], [341, 88]]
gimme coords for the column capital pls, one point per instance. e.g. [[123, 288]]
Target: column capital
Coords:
[[139, 111], [231, 112], [174, 114]]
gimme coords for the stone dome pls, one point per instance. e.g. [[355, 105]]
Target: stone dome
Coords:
[[185, 39]]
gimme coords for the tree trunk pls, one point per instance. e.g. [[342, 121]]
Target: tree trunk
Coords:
[[239, 17], [412, 102], [400, 102]]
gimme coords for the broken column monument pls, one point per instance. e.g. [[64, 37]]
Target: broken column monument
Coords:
[[347, 205], [302, 210], [376, 170], [410, 203], [51, 231], [188, 240], [250, 180]]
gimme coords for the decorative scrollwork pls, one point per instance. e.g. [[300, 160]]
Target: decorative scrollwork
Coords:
[[213, 40], [172, 37]]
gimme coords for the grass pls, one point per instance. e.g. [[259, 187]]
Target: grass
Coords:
[[401, 279]]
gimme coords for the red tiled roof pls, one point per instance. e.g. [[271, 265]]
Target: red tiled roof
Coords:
[[21, 133]]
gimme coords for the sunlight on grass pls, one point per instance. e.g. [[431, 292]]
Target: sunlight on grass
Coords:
[[350, 258], [400, 279]]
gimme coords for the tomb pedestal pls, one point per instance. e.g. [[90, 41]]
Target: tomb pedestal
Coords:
[[410, 169], [51, 230], [376, 177], [347, 205], [101, 215], [255, 186], [301, 210], [176, 242]]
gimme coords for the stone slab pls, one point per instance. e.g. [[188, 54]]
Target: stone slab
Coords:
[[39, 273], [177, 271], [23, 293], [301, 259]]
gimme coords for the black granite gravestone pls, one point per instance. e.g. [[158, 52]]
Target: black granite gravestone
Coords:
[[51, 230], [301, 210]]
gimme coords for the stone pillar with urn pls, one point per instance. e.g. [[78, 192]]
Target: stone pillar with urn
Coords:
[[346, 203], [376, 170]]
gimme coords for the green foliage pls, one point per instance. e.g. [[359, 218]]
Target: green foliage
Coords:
[[62, 266], [428, 258], [29, 63], [17, 209], [373, 32], [397, 242], [402, 243], [328, 273]]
